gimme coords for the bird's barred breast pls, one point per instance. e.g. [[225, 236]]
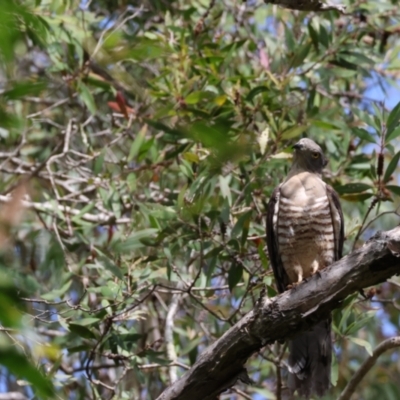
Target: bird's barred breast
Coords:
[[305, 232]]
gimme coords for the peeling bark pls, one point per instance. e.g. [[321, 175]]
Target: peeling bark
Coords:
[[222, 364]]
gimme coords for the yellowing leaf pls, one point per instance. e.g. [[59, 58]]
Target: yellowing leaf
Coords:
[[263, 140], [220, 100]]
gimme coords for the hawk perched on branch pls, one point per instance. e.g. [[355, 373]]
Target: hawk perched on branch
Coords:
[[305, 234]]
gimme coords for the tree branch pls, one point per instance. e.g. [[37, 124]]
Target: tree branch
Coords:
[[367, 365], [54, 209], [307, 5], [296, 310]]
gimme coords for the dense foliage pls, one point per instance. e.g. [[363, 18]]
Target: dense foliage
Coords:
[[140, 142]]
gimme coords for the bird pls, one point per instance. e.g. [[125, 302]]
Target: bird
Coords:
[[305, 234]]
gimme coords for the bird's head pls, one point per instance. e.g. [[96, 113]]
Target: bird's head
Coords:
[[308, 156]]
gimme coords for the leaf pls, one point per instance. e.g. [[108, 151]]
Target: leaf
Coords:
[[220, 100], [394, 189], [343, 320], [134, 241], [363, 134], [323, 36], [294, 131], [137, 143], [394, 162], [87, 321], [57, 293], [21, 89], [353, 188], [340, 62], [255, 91], [234, 275], [191, 157], [81, 331], [363, 343], [77, 218], [359, 323], [357, 56], [393, 119], [214, 252], [224, 186], [195, 97], [324, 124], [313, 34], [356, 197], [241, 225], [98, 163], [393, 134], [300, 55], [263, 140], [19, 365], [87, 97], [334, 370]]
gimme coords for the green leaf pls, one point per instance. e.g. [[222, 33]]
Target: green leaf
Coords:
[[294, 131], [363, 343], [393, 119], [394, 189], [300, 55], [340, 62], [359, 323], [81, 331], [98, 163], [21, 89], [353, 188], [87, 321], [323, 36], [234, 275], [324, 125], [57, 293], [87, 98], [242, 222], [391, 167], [334, 370], [255, 91], [214, 252], [314, 35], [392, 135], [364, 135], [134, 241], [19, 365], [195, 97], [137, 143]]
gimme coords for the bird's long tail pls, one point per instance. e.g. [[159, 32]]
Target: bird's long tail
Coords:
[[310, 361]]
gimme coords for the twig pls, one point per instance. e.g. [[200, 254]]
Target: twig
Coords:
[[51, 208], [367, 365], [169, 336]]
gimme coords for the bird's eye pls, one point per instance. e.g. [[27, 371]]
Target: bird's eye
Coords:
[[315, 155]]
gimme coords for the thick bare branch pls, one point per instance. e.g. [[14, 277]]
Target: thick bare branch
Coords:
[[307, 5], [367, 365], [222, 364]]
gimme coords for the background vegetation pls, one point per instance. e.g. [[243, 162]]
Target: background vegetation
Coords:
[[139, 142]]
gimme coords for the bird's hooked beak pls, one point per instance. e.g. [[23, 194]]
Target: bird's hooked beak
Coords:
[[297, 146]]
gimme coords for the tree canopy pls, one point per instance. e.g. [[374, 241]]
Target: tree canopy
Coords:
[[139, 144]]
